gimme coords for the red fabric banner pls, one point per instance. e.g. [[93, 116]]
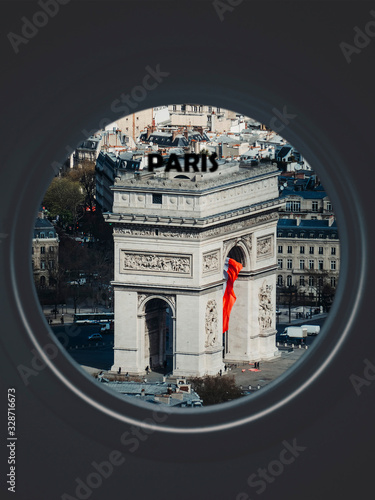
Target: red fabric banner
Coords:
[[229, 297]]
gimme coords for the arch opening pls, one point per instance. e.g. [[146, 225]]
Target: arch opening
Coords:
[[158, 328]]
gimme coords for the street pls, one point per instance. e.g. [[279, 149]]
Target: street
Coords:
[[309, 339], [97, 353]]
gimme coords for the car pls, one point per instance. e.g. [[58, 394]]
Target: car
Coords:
[[95, 336], [278, 312]]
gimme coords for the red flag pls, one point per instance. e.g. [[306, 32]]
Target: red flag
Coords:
[[231, 271]]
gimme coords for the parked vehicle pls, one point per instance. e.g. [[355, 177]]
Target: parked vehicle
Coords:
[[312, 329], [95, 336], [295, 333]]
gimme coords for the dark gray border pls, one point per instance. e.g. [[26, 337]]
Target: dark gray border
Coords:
[[47, 88]]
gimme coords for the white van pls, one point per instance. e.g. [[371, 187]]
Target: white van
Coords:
[[312, 329], [295, 332]]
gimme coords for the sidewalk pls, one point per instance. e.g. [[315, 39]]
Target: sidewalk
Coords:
[[243, 373]]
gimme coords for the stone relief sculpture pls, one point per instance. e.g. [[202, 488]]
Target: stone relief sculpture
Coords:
[[211, 262], [248, 239], [230, 243], [264, 246], [211, 324], [155, 262], [176, 232], [141, 298], [265, 306]]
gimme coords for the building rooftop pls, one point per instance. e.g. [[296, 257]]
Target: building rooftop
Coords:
[[227, 173], [307, 228], [313, 194], [90, 144], [42, 223], [169, 139], [155, 393], [43, 228]]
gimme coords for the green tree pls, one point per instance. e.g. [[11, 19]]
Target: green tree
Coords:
[[64, 198], [85, 176], [216, 389]]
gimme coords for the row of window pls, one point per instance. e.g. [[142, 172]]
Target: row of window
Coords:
[[295, 206], [42, 235], [280, 249], [51, 264], [43, 250], [311, 264], [195, 109], [311, 281], [281, 234]]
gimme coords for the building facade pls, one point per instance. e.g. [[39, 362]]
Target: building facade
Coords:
[[308, 256], [303, 200], [106, 169], [45, 253], [135, 123]]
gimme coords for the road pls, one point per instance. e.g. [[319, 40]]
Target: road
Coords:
[[97, 354], [310, 339]]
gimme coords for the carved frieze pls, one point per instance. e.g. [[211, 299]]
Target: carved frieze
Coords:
[[155, 262], [159, 232], [198, 234]]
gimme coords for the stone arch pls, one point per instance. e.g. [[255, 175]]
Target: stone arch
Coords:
[[239, 252], [143, 299], [158, 330]]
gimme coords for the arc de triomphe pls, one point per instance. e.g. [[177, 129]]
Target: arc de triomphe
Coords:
[[172, 234]]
